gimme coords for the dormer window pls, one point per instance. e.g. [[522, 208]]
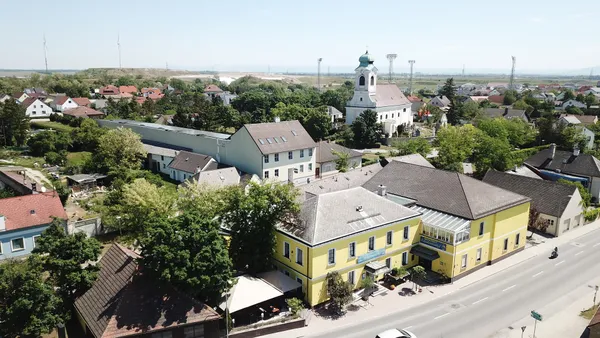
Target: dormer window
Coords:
[[361, 81]]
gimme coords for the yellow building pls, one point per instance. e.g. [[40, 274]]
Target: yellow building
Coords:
[[466, 223], [354, 232]]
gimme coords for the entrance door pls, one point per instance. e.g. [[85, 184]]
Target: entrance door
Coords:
[[425, 263], [317, 172]]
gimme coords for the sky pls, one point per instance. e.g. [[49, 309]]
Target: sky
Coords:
[[242, 35]]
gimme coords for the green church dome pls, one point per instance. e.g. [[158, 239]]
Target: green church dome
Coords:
[[366, 59]]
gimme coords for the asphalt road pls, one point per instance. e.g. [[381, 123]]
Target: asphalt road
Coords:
[[489, 305]]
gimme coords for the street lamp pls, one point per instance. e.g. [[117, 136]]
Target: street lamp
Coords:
[[595, 293], [523, 330]]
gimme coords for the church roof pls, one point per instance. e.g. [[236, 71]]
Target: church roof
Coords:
[[366, 59], [389, 95]]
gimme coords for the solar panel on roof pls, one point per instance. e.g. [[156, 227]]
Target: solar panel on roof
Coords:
[[294, 132], [283, 138], [270, 141], [261, 141], [276, 139]]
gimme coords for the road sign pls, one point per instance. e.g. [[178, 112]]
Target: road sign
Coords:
[[536, 316]]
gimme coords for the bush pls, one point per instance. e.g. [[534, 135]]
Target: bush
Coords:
[[296, 305], [591, 215], [56, 158]]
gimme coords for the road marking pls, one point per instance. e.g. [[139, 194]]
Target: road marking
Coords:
[[440, 316], [595, 245], [481, 300], [579, 253], [508, 288], [537, 274], [559, 263]]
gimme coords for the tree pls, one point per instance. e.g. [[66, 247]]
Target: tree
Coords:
[[535, 222], [68, 260], [572, 110], [417, 145], [568, 95], [491, 153], [572, 137], [366, 129], [28, 306], [252, 216], [417, 272], [580, 98], [341, 161], [189, 253], [118, 149], [455, 144], [339, 291], [470, 110], [14, 124], [510, 97], [317, 123], [586, 196], [449, 89], [85, 138], [590, 100], [49, 141], [521, 104]]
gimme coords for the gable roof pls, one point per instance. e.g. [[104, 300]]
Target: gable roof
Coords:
[[566, 162], [583, 119], [58, 100], [506, 113], [443, 99], [127, 89], [277, 137], [123, 302], [110, 89], [334, 215], [82, 101], [29, 101], [31, 210], [82, 111], [217, 178], [190, 162], [213, 89], [499, 99], [548, 197], [444, 191], [341, 181], [570, 119], [325, 151], [412, 158], [389, 95]]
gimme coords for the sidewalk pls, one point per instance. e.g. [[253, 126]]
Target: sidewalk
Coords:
[[391, 301]]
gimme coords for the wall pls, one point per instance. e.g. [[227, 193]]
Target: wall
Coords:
[[508, 224], [269, 329], [328, 168], [243, 153], [162, 162], [553, 229], [91, 227], [28, 233], [67, 105], [38, 109], [573, 212], [284, 164], [595, 188], [294, 270]]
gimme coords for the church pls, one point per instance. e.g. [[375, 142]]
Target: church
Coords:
[[392, 107]]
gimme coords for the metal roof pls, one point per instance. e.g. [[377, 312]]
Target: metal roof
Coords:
[[179, 130], [441, 220]]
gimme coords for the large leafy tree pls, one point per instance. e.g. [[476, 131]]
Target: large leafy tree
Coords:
[[68, 260], [28, 305], [14, 124], [590, 100], [118, 149], [455, 145], [317, 123], [189, 253], [253, 216], [49, 141], [366, 129], [86, 137], [417, 145], [339, 291], [491, 153], [449, 89]]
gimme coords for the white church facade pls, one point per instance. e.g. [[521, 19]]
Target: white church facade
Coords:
[[392, 107]]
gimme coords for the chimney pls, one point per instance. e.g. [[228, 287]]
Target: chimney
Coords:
[[2, 223], [277, 119], [552, 150], [33, 187], [198, 169], [576, 151], [382, 190]]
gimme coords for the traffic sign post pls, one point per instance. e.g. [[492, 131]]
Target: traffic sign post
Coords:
[[523, 330], [537, 317]]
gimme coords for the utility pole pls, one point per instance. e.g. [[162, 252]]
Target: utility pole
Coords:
[[45, 54], [410, 81], [391, 58], [319, 73], [119, 47], [595, 293], [511, 84], [463, 71]]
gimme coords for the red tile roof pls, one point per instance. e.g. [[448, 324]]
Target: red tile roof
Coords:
[[499, 99], [31, 210], [146, 90], [82, 101], [414, 99], [28, 102], [128, 89], [109, 90], [212, 89], [61, 99], [82, 111], [17, 95]]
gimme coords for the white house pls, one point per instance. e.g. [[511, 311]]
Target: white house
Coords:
[[34, 108], [327, 154], [392, 107], [159, 158], [4, 98], [62, 103], [593, 90], [573, 103], [20, 96], [187, 164]]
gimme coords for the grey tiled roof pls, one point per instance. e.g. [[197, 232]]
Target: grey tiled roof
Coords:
[[325, 151], [190, 162], [161, 151], [413, 159], [217, 177], [278, 137], [566, 162], [548, 197], [334, 215], [445, 191], [341, 181]]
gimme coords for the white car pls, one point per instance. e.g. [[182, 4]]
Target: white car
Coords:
[[396, 333]]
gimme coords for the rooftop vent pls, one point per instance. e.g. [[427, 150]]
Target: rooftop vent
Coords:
[[294, 132], [359, 208], [32, 211]]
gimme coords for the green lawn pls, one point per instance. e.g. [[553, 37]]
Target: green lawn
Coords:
[[78, 158], [589, 313], [50, 125]]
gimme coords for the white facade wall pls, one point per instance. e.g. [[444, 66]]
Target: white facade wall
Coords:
[[554, 227], [38, 109], [243, 153], [306, 166], [328, 168], [179, 175], [69, 104], [163, 163]]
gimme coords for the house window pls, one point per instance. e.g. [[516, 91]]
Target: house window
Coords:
[[276, 157], [310, 167], [404, 110], [392, 115], [33, 112], [43, 112], [505, 244], [478, 257], [351, 277], [34, 240], [302, 168], [310, 152], [371, 243], [299, 258], [517, 239], [290, 155], [276, 173], [266, 158], [162, 158], [404, 258], [386, 116], [331, 256], [481, 227], [196, 331], [406, 232], [301, 152], [388, 237], [463, 261], [17, 244], [361, 81], [165, 334], [286, 249], [352, 250], [388, 263], [266, 174], [164, 166]]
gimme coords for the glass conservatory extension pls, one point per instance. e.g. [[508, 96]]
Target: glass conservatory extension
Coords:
[[444, 227]]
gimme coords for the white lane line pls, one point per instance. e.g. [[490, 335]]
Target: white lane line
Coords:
[[510, 287], [579, 253], [440, 316], [408, 327], [595, 245], [559, 263], [481, 300], [537, 274]]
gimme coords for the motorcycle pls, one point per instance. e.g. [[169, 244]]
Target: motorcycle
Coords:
[[554, 253]]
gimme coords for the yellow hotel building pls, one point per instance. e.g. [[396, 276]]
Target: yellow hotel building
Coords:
[[404, 215]]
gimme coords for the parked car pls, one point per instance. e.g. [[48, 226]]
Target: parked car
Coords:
[[396, 333]]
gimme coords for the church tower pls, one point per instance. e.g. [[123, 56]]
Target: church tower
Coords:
[[366, 76]]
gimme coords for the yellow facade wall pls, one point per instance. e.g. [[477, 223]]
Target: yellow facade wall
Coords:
[[294, 246], [509, 223]]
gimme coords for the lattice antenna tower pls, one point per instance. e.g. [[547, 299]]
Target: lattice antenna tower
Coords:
[[391, 58], [410, 81], [45, 54], [319, 73], [511, 83]]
